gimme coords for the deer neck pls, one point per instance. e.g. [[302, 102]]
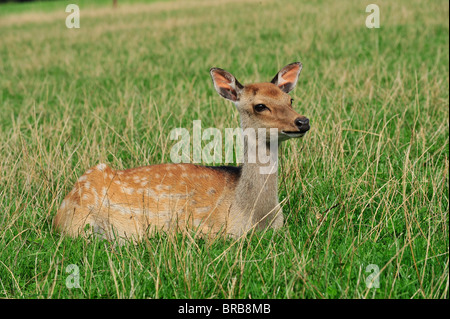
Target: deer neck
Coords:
[[257, 189]]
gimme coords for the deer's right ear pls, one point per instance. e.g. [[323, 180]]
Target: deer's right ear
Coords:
[[226, 84]]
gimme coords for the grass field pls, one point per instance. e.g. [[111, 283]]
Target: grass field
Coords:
[[368, 185]]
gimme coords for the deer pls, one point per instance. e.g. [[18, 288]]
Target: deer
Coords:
[[211, 200]]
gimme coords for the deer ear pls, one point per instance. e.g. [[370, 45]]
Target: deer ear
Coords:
[[287, 77], [226, 84]]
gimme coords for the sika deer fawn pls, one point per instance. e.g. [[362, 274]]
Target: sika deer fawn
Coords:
[[129, 204]]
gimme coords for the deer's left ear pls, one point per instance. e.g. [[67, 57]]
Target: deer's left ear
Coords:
[[287, 77]]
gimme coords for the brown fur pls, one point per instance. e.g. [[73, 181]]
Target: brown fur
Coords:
[[133, 201]]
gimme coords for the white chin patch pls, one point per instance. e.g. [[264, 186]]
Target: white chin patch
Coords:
[[293, 135]]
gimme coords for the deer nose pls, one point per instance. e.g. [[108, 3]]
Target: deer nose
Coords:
[[303, 124]]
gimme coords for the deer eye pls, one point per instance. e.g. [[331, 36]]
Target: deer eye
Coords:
[[260, 108], [292, 101]]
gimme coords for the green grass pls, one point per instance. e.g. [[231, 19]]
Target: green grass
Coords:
[[45, 6], [367, 185]]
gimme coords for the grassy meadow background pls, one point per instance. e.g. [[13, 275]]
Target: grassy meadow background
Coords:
[[367, 185]]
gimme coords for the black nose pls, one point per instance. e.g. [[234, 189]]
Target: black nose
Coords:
[[303, 124]]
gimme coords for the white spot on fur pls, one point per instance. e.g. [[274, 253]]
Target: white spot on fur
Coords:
[[101, 167], [94, 192], [106, 202], [82, 178], [128, 190]]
